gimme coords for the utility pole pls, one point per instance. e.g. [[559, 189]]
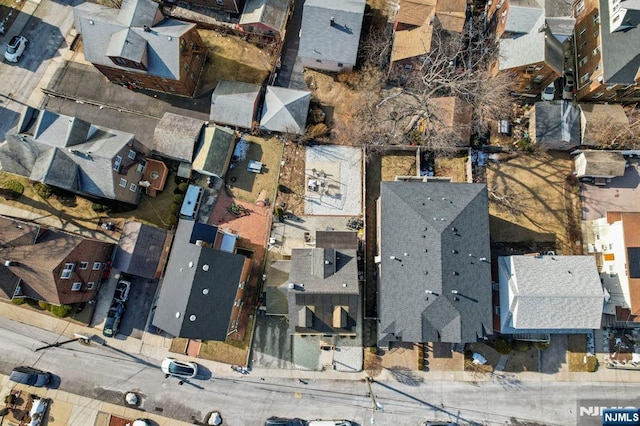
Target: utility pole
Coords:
[[376, 405], [85, 339]]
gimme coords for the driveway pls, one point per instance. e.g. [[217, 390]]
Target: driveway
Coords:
[[622, 194], [554, 358], [290, 73]]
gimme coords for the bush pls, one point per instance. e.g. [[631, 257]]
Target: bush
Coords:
[[182, 186], [541, 346], [174, 208], [171, 220], [4, 411], [43, 304], [501, 346], [520, 346], [61, 311], [14, 189], [18, 301], [592, 363], [120, 207], [10, 399], [43, 190], [99, 208], [177, 198]]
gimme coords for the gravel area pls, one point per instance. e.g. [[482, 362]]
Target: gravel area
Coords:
[[333, 184]]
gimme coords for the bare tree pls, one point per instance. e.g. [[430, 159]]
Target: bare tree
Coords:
[[615, 134]]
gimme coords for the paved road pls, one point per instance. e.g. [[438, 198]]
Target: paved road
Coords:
[[46, 30], [104, 373]]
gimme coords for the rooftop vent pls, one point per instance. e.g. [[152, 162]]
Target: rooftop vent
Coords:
[[205, 291], [192, 318], [9, 263], [454, 291], [332, 21], [205, 267], [147, 29], [177, 314]]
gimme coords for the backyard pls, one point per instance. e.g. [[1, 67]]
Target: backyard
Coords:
[[532, 199], [232, 58], [520, 356], [398, 164]]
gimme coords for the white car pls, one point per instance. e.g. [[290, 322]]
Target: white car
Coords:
[[122, 291], [549, 92], [181, 369], [569, 83], [15, 48]]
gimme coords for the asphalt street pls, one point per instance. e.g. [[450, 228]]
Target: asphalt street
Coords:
[[104, 373]]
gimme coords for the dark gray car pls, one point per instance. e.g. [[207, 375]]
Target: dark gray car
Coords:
[[30, 376]]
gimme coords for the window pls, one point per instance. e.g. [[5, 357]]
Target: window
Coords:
[[90, 285], [133, 187], [408, 67], [596, 18], [132, 155], [611, 87], [496, 309], [526, 89], [123, 182], [117, 163], [579, 7], [318, 61], [70, 266], [582, 62], [66, 274], [84, 265], [220, 2], [583, 29], [595, 52], [626, 87], [539, 67], [529, 70], [584, 78], [76, 286], [613, 95], [538, 78], [97, 266], [597, 95], [582, 45], [340, 64]]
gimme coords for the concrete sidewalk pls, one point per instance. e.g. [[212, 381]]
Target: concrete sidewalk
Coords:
[[74, 410]]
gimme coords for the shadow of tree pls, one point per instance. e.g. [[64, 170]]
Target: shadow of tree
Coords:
[[405, 376]]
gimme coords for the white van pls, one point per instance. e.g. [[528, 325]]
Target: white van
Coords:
[[330, 423], [191, 202]]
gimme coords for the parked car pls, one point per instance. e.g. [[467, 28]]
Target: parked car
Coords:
[[549, 92], [330, 423], [38, 408], [569, 86], [122, 291], [30, 376], [114, 315], [15, 48], [182, 369], [277, 421], [141, 422]]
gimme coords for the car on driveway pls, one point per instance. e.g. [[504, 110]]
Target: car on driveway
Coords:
[[182, 369], [114, 316], [15, 48], [278, 421], [549, 92], [122, 291], [30, 376], [569, 84]]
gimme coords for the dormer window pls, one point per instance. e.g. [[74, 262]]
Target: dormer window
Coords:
[[76, 286], [117, 163], [132, 155], [67, 271]]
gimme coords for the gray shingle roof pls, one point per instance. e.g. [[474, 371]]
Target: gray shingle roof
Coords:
[[320, 40], [600, 164], [68, 153], [594, 115], [522, 19], [433, 237], [198, 290], [325, 279], [139, 249], [557, 125], [285, 110], [550, 292], [103, 33], [234, 103], [271, 13], [176, 136], [619, 49], [215, 152]]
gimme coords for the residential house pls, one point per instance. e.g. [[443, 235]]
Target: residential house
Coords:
[[142, 250], [530, 35], [599, 164], [414, 25], [433, 241], [607, 66], [203, 290], [48, 264], [323, 298], [330, 34], [543, 295], [135, 46], [214, 153], [285, 110], [555, 125], [235, 104], [265, 18], [75, 155], [176, 136], [616, 244], [600, 121]]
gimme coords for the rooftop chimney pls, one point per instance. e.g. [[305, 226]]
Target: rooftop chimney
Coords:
[[146, 29], [332, 21]]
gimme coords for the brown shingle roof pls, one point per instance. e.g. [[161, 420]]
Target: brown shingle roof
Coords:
[[453, 113], [411, 43], [452, 14], [415, 12]]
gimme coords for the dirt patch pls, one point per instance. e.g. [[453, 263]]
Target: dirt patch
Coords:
[[529, 200], [399, 164], [455, 167], [291, 185], [524, 357], [245, 185], [232, 58], [9, 11], [519, 361], [338, 103], [229, 352]]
